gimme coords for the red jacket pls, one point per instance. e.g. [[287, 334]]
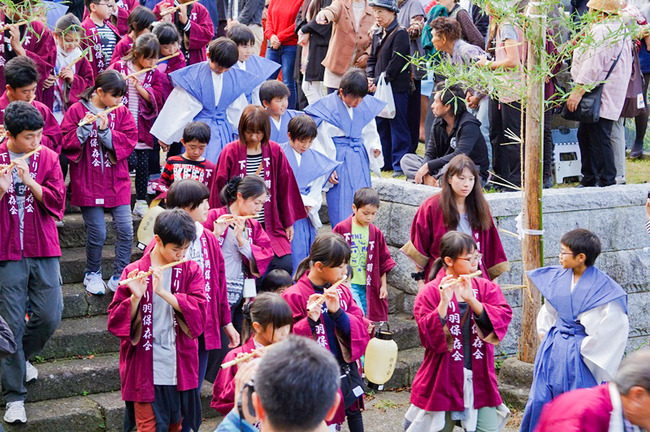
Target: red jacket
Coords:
[[281, 21]]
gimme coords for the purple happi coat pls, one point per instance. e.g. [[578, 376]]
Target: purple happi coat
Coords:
[[283, 206], [98, 176], [51, 130], [122, 49], [428, 228], [136, 336], [378, 263], [83, 78], [40, 236], [98, 62], [153, 82], [39, 46], [582, 410], [216, 294], [168, 66], [352, 349], [123, 12], [438, 384], [201, 30], [257, 237], [223, 390]]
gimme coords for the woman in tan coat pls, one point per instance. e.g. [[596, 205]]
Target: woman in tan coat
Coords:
[[351, 20]]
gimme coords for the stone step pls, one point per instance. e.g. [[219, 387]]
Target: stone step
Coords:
[[405, 331], [80, 337], [73, 263], [77, 302], [73, 232], [102, 412], [75, 377]]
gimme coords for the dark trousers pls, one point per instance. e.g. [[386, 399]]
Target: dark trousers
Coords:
[[394, 133], [413, 115], [506, 156], [597, 154], [37, 280]]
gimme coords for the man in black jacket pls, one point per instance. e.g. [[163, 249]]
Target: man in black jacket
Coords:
[[389, 53], [454, 131]]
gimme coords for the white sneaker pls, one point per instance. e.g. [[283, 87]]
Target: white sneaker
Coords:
[[94, 283], [31, 373], [113, 283], [15, 412], [140, 208]]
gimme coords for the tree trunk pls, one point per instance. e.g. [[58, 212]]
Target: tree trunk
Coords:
[[532, 255]]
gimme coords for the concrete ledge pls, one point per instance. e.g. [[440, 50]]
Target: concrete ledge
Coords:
[[515, 379]]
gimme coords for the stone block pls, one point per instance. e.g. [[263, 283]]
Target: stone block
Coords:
[[409, 302], [112, 408], [400, 276], [395, 300], [80, 337], [75, 414], [405, 331], [509, 344], [638, 311], [74, 301]]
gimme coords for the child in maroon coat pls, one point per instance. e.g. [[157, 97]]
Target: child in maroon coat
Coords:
[[370, 259], [140, 21], [101, 35], [158, 319]]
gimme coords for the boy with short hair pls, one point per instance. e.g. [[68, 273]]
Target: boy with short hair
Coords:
[[101, 35], [276, 281], [249, 61], [211, 91], [21, 78], [191, 164], [312, 170], [274, 96], [158, 319], [370, 258], [347, 125], [33, 40], [32, 195], [583, 324]]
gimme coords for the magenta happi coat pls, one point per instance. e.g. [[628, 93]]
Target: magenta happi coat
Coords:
[[201, 29], [51, 130], [40, 235], [223, 390], [427, 229], [98, 62], [122, 49], [216, 294], [153, 82], [283, 206], [169, 66], [438, 384], [98, 176], [378, 263], [136, 336], [257, 237], [83, 78], [39, 46], [352, 349], [123, 12]]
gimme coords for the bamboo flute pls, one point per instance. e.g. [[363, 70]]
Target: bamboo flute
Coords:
[[145, 70], [319, 301], [238, 360], [74, 62], [150, 272], [228, 218], [19, 23], [13, 163], [455, 281], [96, 116], [175, 8]]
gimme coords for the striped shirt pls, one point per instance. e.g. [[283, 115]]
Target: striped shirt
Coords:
[[253, 162], [108, 39]]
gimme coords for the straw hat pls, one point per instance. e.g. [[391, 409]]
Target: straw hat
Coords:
[[607, 6]]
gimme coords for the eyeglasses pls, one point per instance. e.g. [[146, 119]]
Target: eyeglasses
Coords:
[[474, 259], [108, 5], [567, 253]]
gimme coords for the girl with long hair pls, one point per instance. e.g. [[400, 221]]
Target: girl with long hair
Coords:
[[459, 206]]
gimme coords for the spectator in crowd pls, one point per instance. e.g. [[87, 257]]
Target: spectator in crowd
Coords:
[[610, 50], [313, 39], [455, 131]]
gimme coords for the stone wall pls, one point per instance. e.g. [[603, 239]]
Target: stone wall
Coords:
[[615, 214]]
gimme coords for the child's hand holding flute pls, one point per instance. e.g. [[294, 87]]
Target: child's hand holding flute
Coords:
[[462, 286], [330, 297]]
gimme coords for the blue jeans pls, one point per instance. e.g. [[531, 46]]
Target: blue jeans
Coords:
[[96, 236], [286, 56], [359, 296]]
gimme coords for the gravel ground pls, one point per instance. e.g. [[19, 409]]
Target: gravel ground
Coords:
[[385, 413]]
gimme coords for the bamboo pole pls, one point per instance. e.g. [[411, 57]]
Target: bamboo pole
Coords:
[[532, 197]]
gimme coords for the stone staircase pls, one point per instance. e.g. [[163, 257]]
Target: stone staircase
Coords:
[[78, 389]]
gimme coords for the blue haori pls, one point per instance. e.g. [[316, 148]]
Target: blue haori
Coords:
[[311, 175], [197, 81], [559, 365], [354, 172], [262, 68], [281, 136]]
